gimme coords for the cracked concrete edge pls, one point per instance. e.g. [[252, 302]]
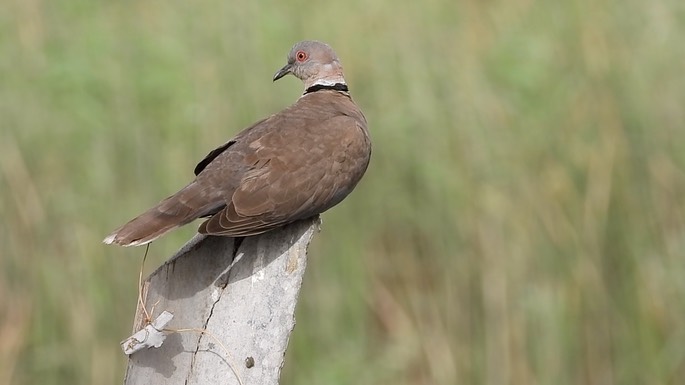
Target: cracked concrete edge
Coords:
[[261, 310], [204, 326], [298, 236]]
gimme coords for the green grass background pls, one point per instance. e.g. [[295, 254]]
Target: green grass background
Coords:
[[522, 220]]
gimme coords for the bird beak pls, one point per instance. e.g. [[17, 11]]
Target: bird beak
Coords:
[[283, 71]]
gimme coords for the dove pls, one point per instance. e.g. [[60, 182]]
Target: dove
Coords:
[[289, 166]]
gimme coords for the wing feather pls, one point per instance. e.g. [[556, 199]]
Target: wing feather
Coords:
[[296, 182]]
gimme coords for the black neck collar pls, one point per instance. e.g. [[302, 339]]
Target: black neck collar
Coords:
[[335, 87]]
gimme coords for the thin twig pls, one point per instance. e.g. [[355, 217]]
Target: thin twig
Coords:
[[141, 302]]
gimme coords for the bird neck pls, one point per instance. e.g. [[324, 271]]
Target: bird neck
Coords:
[[341, 87], [325, 78]]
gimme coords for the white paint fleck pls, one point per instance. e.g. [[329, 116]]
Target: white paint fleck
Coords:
[[258, 276], [215, 294]]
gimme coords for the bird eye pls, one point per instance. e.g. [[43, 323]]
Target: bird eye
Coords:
[[301, 56]]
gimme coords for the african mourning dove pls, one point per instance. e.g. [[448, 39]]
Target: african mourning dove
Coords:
[[289, 166]]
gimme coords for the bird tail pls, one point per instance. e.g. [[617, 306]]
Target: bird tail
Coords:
[[174, 211]]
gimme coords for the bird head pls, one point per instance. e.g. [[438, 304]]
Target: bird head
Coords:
[[314, 63]]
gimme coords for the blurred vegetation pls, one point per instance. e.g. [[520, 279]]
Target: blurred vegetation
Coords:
[[522, 221]]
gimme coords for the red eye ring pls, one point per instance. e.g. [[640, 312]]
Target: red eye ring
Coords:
[[301, 56]]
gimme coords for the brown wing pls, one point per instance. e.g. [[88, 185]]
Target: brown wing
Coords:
[[294, 174]]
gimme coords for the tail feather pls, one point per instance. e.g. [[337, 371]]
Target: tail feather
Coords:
[[144, 229], [175, 211]]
